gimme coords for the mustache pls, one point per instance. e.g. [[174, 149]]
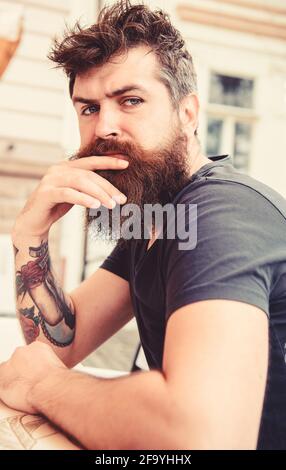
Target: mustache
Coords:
[[101, 147]]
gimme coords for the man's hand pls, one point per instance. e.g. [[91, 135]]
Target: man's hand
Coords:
[[65, 184], [27, 366]]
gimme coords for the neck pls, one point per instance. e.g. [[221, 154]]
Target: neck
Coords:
[[196, 157]]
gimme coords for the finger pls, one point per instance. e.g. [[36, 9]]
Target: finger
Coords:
[[87, 186], [71, 196], [99, 163], [114, 193], [90, 183]]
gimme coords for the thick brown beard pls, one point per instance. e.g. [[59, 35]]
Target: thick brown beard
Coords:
[[152, 177]]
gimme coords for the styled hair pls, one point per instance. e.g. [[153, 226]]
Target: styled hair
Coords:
[[119, 28]]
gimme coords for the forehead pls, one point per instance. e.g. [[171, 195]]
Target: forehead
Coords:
[[139, 66]]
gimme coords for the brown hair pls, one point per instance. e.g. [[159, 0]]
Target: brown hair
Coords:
[[119, 28]]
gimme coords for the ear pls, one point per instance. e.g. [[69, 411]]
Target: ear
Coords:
[[188, 113]]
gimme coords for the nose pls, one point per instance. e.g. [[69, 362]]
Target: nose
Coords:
[[106, 125]]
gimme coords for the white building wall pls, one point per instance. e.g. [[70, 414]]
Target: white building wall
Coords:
[[31, 92], [253, 56], [37, 129]]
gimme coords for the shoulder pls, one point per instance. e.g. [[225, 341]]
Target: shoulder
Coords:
[[225, 193], [227, 247]]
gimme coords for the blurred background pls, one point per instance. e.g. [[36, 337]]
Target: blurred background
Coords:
[[239, 51]]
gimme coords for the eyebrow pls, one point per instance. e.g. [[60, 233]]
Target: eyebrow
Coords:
[[118, 92]]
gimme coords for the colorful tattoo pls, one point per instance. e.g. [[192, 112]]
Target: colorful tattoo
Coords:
[[33, 273], [53, 314], [29, 323]]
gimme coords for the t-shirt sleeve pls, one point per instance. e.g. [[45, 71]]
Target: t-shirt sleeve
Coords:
[[118, 261], [234, 252]]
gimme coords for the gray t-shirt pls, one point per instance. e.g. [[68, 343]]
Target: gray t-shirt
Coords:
[[240, 255]]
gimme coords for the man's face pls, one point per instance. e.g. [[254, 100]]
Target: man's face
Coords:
[[123, 107], [143, 116]]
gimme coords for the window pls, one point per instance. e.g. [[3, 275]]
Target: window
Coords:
[[230, 118], [231, 91], [215, 127], [242, 140]]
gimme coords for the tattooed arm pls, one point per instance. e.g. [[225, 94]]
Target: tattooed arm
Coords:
[[48, 314], [44, 311]]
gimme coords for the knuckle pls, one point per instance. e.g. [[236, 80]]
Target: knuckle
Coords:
[[71, 179], [95, 177], [102, 181], [64, 162], [45, 189], [46, 179], [79, 181], [65, 192], [53, 169]]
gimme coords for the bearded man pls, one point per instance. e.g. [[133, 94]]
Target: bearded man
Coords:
[[206, 314]]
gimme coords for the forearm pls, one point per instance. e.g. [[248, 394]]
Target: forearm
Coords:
[[44, 311], [132, 412]]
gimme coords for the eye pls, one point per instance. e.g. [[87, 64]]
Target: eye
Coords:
[[133, 101], [91, 110]]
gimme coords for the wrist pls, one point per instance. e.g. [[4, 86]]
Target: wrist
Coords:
[[20, 237], [45, 390]]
